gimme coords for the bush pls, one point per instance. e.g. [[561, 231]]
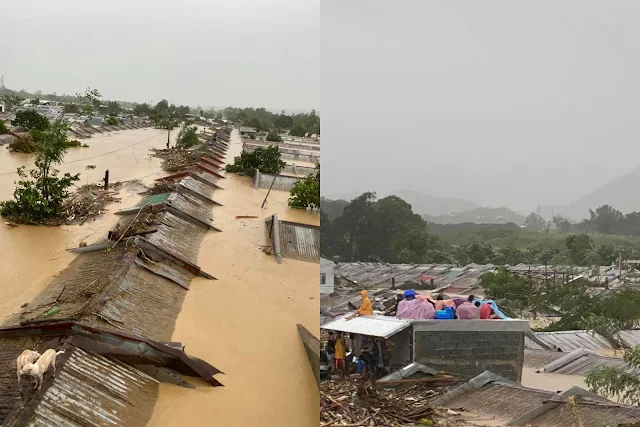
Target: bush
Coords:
[[31, 120], [187, 137], [40, 198], [298, 130], [74, 143], [112, 121], [273, 136], [3, 128], [267, 160], [23, 144], [306, 192]]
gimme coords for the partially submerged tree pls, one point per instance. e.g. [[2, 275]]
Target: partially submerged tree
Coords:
[[306, 192], [39, 194], [89, 101], [273, 137], [266, 160], [112, 121], [187, 137], [298, 130], [3, 128], [624, 385], [31, 120]]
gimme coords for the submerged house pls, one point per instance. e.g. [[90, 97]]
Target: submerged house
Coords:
[[327, 275], [112, 311]]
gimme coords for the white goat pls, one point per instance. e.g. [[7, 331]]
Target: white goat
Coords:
[[40, 367], [27, 356]]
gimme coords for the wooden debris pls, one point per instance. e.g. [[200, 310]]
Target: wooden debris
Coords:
[[356, 402], [245, 216], [11, 224]]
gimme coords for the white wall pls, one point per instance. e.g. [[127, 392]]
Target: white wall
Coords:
[[327, 269]]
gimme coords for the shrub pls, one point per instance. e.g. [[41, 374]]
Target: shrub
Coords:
[[306, 192], [3, 128], [187, 137], [266, 160], [23, 144], [273, 136], [112, 121]]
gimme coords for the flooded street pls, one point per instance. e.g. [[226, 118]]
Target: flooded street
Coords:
[[31, 256], [245, 322]]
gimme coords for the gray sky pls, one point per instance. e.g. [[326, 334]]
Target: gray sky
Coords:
[[207, 52], [501, 102]]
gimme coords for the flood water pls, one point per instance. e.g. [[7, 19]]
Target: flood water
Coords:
[[245, 322], [31, 256]]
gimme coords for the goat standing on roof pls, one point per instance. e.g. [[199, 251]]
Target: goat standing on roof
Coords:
[[40, 367], [27, 357]]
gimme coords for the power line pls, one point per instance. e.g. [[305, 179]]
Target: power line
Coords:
[[96, 156]]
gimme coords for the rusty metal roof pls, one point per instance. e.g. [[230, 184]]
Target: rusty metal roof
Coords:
[[570, 340], [191, 209], [197, 189], [90, 389], [300, 241]]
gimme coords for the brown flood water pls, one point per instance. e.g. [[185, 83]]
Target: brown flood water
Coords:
[[31, 256], [245, 322]]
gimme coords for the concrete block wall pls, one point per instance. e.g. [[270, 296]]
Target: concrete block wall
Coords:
[[470, 347], [282, 183]]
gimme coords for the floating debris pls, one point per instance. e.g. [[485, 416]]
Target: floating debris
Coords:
[[357, 402]]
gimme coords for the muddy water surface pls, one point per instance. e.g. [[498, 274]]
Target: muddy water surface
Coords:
[[31, 256], [245, 322]]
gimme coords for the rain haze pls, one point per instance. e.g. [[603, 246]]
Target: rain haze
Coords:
[[501, 103], [211, 53]]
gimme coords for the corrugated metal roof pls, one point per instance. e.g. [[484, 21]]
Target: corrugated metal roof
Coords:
[[538, 358], [571, 340], [300, 241], [90, 389], [198, 189], [377, 326], [501, 401], [193, 208], [630, 338], [592, 414], [582, 364]]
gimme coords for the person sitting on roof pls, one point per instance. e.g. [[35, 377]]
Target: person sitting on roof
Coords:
[[467, 310], [415, 308], [366, 308], [486, 312], [441, 303]]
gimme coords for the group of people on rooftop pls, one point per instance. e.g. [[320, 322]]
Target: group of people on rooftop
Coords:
[[410, 305]]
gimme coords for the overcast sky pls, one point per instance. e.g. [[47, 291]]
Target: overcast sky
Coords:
[[207, 52], [497, 101]]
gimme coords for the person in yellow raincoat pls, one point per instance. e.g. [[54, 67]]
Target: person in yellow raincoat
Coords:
[[366, 307], [340, 353]]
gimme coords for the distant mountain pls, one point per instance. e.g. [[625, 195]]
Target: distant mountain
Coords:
[[478, 215], [424, 204], [619, 193]]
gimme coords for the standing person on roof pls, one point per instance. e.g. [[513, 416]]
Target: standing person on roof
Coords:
[[366, 308]]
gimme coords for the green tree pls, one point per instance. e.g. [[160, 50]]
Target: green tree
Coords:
[[266, 160], [306, 192], [518, 291], [31, 120], [621, 384], [113, 108], [187, 137], [273, 137], [577, 246], [3, 128], [535, 222], [112, 121], [283, 121], [42, 196], [88, 101], [141, 110], [298, 130]]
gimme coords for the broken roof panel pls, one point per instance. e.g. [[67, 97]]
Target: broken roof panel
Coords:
[[300, 241], [376, 326]]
